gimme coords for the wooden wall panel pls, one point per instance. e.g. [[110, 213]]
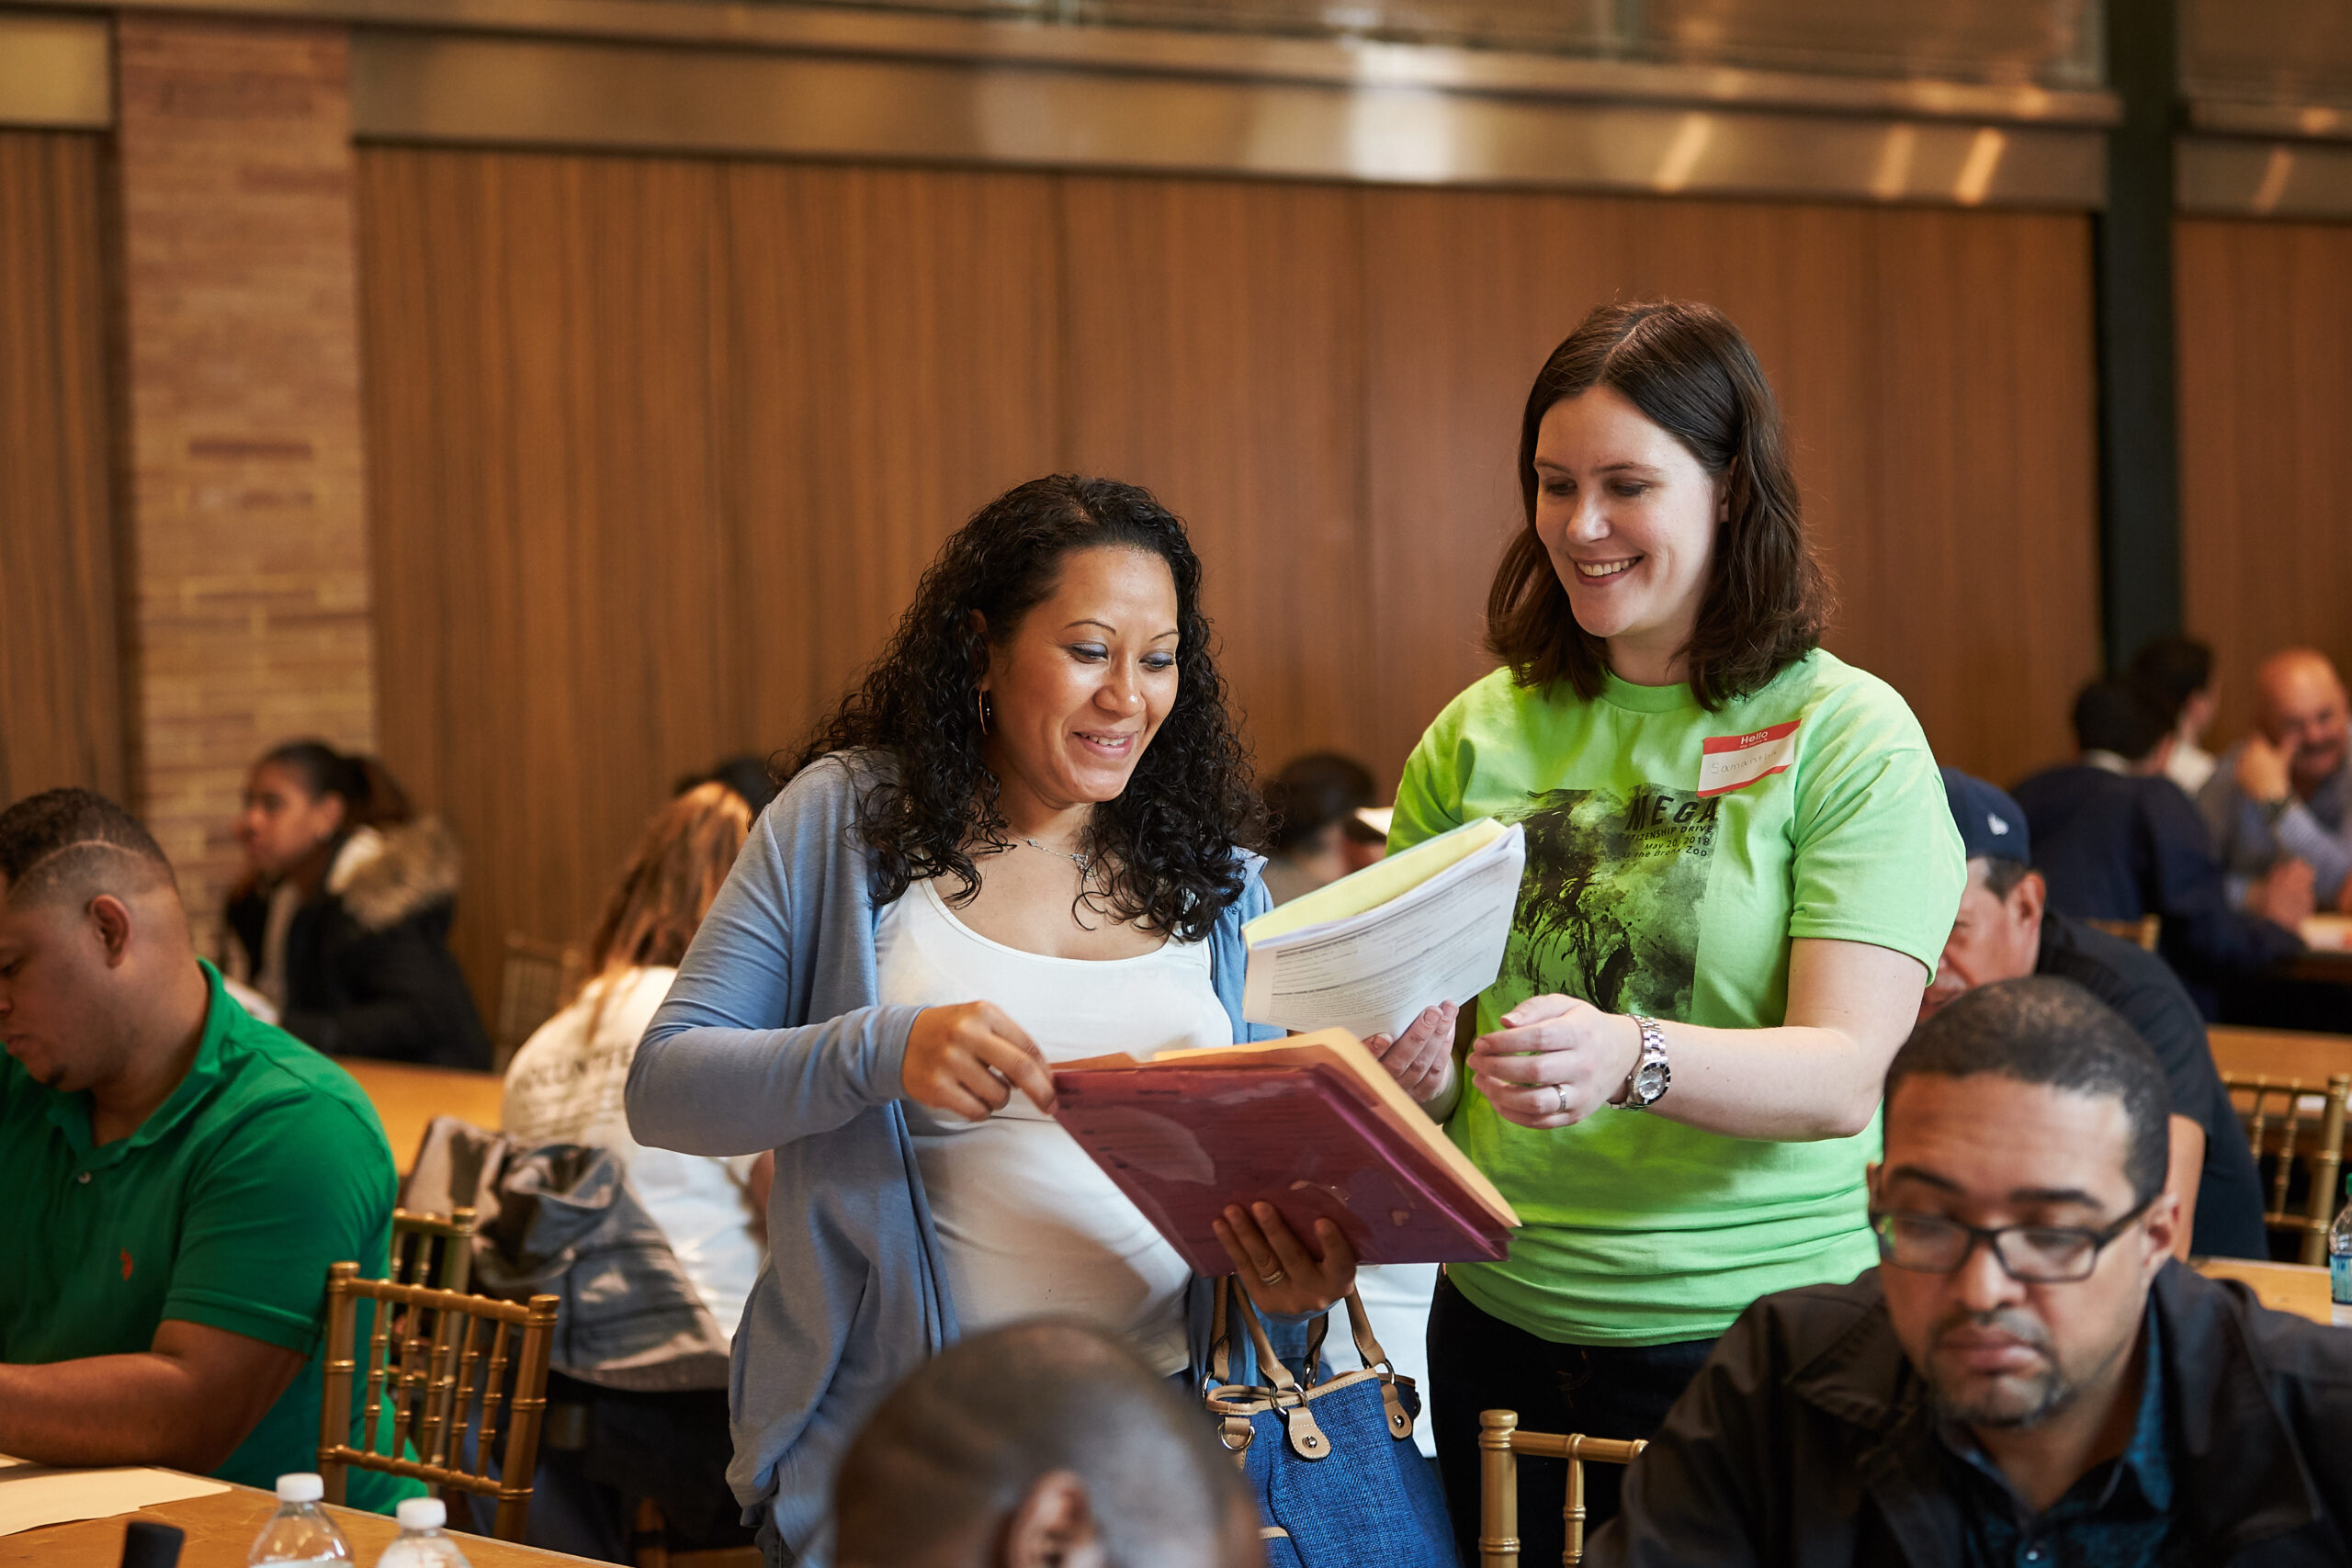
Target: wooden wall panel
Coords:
[[661, 445], [60, 691], [1935, 370], [2265, 313]]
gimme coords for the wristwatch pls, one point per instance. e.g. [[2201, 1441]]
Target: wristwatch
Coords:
[[1647, 1084]]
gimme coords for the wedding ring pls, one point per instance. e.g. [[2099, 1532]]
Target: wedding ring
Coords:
[[1560, 1092], [1276, 1278]]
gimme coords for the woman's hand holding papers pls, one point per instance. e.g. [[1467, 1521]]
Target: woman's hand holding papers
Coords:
[[1555, 1061], [968, 1059], [1281, 1275], [1421, 1059]]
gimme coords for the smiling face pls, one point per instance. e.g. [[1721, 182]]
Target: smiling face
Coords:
[[1988, 1151], [1079, 688], [282, 822], [1629, 518], [2303, 715]]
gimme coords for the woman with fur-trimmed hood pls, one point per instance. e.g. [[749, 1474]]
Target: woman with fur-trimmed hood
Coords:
[[344, 922]]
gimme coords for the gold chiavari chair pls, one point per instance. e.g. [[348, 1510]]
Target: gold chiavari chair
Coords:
[[1500, 1442]]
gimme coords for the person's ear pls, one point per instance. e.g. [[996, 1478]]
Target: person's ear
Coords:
[[1054, 1526], [1870, 1180], [2030, 900], [110, 919], [2163, 1230], [976, 626]]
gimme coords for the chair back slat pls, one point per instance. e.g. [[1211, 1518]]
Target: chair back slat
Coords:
[[1500, 1442], [436, 1250], [2281, 1105], [427, 1383]]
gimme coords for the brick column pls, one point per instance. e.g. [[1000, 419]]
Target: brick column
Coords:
[[248, 612]]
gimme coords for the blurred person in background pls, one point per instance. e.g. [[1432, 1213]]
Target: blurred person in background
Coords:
[[2006, 929], [566, 1083], [1315, 831], [343, 919], [2281, 798], [1740, 873], [2115, 841], [565, 1086], [1022, 839], [2179, 672], [747, 775]]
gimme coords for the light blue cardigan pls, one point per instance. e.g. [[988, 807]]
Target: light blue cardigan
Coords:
[[773, 1037]]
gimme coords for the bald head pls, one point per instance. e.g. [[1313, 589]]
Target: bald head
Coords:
[[2302, 713], [1045, 1441]]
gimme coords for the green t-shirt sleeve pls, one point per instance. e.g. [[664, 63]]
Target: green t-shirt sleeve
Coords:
[[1428, 795], [303, 1183], [1876, 857]]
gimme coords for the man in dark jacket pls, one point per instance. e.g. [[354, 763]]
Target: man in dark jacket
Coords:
[[2005, 929], [2115, 840], [2030, 1377]]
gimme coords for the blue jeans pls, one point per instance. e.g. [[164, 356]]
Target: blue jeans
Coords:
[[1478, 1362]]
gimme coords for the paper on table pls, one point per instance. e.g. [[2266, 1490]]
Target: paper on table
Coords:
[[32, 1496], [1371, 969]]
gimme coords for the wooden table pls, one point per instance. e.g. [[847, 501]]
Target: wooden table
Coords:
[[407, 1097], [220, 1530], [2281, 1287], [2280, 1054]]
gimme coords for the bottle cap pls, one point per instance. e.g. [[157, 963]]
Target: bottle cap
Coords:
[[300, 1488], [422, 1513]]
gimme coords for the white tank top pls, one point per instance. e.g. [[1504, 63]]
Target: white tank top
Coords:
[[1027, 1224]]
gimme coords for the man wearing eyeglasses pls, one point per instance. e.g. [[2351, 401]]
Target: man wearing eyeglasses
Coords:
[[2028, 1378]]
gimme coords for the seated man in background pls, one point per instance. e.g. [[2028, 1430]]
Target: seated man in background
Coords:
[[2116, 841], [1314, 830], [2179, 671], [2005, 929], [1040, 1443], [175, 1176], [2282, 798], [2029, 1377]]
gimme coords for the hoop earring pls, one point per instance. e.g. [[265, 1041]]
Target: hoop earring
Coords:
[[981, 700]]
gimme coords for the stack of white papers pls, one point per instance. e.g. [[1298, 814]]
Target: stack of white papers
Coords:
[[1369, 952]]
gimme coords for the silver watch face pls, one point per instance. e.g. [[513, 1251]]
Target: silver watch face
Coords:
[[1650, 1080]]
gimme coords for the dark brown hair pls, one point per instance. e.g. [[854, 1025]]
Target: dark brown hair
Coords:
[[1690, 372]]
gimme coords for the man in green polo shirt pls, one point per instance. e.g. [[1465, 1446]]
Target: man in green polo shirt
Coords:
[[176, 1176]]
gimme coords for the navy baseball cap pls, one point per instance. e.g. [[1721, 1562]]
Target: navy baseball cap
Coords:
[[1990, 823]]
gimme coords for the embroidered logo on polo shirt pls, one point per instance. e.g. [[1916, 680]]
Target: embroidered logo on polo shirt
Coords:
[[125, 1263]]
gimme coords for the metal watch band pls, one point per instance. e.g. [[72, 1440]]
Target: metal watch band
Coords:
[[1652, 1055]]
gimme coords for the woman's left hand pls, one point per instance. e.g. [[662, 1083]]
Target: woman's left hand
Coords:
[[1555, 1061], [1281, 1275]]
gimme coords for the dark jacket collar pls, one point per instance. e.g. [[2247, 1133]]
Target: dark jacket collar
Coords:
[[2238, 1476]]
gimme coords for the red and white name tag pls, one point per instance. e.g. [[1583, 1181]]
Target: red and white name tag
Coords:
[[1733, 761]]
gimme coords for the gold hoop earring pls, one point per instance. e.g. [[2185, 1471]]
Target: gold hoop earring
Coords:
[[981, 700]]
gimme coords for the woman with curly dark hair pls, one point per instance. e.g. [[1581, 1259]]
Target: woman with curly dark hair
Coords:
[[1019, 841]]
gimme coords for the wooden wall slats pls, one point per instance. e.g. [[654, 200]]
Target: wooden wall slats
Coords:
[[2265, 333], [661, 445], [61, 681]]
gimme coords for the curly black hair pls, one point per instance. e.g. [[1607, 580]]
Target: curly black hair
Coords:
[[1162, 851]]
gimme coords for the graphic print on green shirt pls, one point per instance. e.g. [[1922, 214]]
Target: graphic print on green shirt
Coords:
[[1821, 817], [1609, 906], [223, 1208]]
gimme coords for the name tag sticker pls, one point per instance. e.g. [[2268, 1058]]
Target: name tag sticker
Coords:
[[1727, 762]]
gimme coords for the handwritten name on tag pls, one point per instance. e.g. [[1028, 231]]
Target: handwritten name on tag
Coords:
[[1733, 761]]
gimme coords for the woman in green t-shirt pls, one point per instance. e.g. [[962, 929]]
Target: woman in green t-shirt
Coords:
[[1740, 871]]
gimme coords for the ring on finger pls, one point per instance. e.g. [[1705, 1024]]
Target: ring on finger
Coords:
[[1560, 1092], [1276, 1278]]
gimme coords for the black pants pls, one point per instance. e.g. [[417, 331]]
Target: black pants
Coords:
[[1478, 1362]]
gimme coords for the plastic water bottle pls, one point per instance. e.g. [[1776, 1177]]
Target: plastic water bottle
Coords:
[[420, 1543], [299, 1531], [2339, 1262]]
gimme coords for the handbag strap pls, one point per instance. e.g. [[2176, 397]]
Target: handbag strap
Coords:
[[1307, 1438]]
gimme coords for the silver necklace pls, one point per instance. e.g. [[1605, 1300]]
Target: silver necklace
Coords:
[[1084, 863]]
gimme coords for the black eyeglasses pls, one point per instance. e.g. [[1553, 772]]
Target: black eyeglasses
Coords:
[[2032, 1255]]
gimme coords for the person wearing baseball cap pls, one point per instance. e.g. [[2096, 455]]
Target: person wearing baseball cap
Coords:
[[2006, 929]]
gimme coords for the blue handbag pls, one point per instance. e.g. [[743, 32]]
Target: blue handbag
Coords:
[[1330, 1461]]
